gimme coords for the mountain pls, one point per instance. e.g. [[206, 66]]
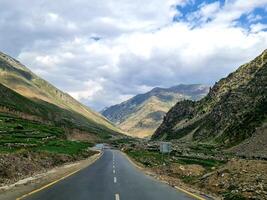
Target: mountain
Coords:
[[142, 114], [232, 112], [26, 95]]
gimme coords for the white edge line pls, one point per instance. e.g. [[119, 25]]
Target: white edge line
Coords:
[[117, 197]]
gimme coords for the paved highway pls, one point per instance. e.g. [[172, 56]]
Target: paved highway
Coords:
[[112, 177]]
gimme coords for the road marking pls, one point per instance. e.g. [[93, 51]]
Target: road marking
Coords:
[[54, 182], [46, 186], [115, 180], [189, 193], [117, 197], [113, 171], [178, 188]]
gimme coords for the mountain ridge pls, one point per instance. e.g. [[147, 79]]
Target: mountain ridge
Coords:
[[140, 115], [230, 113]]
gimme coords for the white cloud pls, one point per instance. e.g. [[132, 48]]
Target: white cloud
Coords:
[[255, 28], [104, 52], [89, 90], [253, 18]]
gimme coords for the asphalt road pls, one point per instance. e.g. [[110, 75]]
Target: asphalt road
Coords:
[[112, 177]]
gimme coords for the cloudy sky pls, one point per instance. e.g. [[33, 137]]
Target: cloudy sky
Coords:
[[103, 52]]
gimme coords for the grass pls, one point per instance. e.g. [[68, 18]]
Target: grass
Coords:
[[17, 134], [147, 158], [206, 163], [150, 159], [205, 148]]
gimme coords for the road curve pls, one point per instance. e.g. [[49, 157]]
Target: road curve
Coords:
[[112, 177]]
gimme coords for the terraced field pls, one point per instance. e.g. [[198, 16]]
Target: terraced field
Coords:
[[23, 135]]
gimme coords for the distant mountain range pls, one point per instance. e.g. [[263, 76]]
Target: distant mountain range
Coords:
[[233, 112], [24, 94], [141, 115]]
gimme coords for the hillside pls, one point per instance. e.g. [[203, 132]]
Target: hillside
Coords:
[[142, 114], [26, 95], [232, 111]]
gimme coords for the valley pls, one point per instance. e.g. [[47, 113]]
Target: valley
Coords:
[[218, 143], [133, 100]]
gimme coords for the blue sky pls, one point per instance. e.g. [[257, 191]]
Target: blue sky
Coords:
[[104, 52], [193, 6], [257, 14]]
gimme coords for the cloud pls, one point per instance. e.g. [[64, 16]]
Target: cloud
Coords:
[[103, 52]]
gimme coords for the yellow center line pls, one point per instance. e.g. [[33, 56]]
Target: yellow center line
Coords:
[[54, 182], [46, 186], [189, 193]]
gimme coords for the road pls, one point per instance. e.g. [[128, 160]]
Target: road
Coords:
[[111, 177]]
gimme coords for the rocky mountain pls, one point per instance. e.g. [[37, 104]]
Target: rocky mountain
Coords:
[[232, 112], [26, 95], [142, 114]]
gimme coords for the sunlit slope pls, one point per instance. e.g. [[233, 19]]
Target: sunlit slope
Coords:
[[141, 115], [18, 78]]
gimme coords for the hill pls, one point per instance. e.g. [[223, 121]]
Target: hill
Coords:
[[142, 114], [26, 95], [234, 109]]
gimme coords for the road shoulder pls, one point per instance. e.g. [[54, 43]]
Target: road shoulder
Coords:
[[164, 179], [43, 180]]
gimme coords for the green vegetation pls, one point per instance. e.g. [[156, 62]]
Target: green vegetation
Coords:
[[207, 163], [152, 158], [17, 135], [205, 148], [147, 158]]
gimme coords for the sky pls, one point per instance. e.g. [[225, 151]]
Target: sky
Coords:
[[104, 52]]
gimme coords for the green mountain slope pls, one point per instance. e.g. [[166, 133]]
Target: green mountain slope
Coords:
[[142, 114], [231, 112], [28, 96]]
